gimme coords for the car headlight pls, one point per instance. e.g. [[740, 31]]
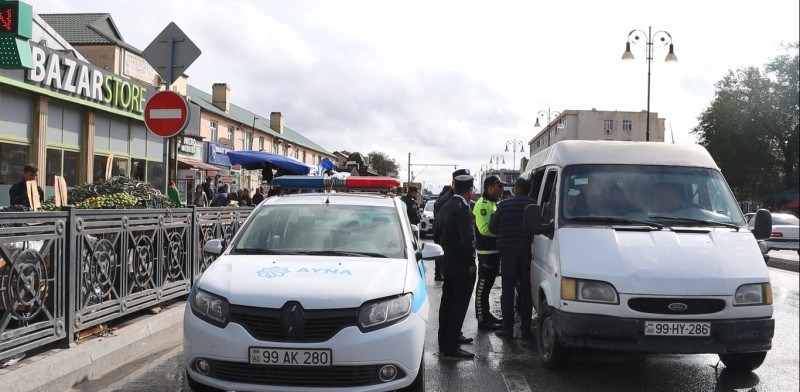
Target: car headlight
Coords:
[[384, 312], [588, 291], [753, 294], [210, 308]]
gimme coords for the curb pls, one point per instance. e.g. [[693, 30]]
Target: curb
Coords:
[[61, 369], [783, 264]]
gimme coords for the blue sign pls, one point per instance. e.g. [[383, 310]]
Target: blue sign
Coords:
[[218, 154]]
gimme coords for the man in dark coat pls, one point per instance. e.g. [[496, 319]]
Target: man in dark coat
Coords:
[[221, 198], [18, 193], [515, 258], [457, 238], [444, 196], [208, 188], [412, 208]]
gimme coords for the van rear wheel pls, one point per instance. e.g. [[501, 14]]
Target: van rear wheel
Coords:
[[743, 362], [552, 353]]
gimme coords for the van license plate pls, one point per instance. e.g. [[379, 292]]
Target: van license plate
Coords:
[[671, 328], [290, 357]]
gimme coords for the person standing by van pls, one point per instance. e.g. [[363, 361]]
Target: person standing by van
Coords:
[[456, 236], [488, 256], [515, 256]]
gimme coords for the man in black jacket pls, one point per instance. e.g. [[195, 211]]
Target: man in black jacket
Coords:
[[444, 196], [457, 238], [18, 193], [515, 258], [412, 208]]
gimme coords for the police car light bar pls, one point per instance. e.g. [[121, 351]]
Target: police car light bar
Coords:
[[352, 182]]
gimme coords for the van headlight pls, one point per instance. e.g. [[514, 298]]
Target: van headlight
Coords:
[[211, 308], [588, 291], [753, 294], [384, 312]]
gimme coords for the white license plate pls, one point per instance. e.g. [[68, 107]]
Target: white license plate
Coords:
[[290, 357], [682, 328]]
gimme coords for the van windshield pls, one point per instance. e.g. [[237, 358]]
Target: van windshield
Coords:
[[669, 195]]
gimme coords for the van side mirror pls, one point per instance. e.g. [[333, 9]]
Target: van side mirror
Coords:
[[532, 221], [762, 228]]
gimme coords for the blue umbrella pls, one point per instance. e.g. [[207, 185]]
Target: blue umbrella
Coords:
[[255, 160]]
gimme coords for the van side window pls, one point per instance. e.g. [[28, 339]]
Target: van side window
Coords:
[[548, 201], [536, 178]]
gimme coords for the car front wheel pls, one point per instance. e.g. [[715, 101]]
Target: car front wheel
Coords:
[[198, 387], [743, 362], [419, 383]]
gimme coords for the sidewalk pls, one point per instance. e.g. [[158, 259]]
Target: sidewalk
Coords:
[[58, 370]]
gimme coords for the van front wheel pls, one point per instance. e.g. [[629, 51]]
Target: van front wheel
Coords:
[[553, 354], [743, 362]]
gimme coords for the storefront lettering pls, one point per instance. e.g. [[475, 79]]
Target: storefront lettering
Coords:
[[63, 73]]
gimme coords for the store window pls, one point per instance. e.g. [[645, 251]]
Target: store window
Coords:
[[64, 125], [16, 116], [62, 163], [155, 175], [13, 158], [106, 165]]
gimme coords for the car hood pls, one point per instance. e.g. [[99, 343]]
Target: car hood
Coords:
[[664, 262], [317, 282]]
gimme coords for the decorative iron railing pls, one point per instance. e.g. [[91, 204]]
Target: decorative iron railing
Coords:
[[63, 272]]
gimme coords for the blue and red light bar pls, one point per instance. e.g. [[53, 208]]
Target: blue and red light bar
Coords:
[[352, 182]]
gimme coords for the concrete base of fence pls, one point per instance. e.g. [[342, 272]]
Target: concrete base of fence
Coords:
[[61, 369]]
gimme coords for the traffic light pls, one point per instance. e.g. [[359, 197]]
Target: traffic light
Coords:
[[16, 28]]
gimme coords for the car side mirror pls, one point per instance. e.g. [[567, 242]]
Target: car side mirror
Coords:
[[431, 251], [532, 221], [762, 228], [213, 247]]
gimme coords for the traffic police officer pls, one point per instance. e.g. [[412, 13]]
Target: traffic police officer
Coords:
[[446, 194], [488, 255], [457, 238]]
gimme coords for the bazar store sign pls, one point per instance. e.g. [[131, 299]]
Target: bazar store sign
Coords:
[[218, 154], [56, 71]]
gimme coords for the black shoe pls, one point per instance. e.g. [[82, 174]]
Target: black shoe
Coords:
[[461, 339], [438, 278], [459, 353], [489, 326], [505, 334]]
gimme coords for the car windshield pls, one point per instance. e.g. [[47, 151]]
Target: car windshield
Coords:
[[340, 230], [429, 206], [668, 195]]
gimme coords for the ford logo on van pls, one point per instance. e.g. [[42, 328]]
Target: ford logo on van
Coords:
[[677, 307]]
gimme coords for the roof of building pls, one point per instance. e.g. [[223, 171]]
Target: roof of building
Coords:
[[573, 152], [87, 29], [243, 116]]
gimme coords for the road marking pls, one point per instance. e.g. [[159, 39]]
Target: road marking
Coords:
[[516, 383], [165, 113]]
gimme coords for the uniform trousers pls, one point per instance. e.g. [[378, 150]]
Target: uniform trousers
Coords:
[[516, 274], [488, 265], [456, 293]]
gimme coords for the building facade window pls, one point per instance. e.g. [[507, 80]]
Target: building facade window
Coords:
[[13, 158], [608, 125], [248, 141], [304, 157], [62, 163], [261, 143], [214, 131], [627, 125], [230, 134]]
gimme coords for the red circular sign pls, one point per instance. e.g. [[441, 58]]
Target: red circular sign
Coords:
[[166, 113]]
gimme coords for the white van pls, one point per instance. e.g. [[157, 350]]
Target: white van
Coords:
[[642, 247]]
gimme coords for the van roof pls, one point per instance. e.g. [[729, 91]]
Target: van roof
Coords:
[[572, 152]]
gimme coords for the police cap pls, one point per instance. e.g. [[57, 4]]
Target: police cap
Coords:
[[460, 172]]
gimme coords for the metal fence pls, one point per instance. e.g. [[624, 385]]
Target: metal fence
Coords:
[[63, 272]]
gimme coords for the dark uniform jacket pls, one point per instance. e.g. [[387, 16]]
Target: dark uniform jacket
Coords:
[[507, 225], [455, 234], [18, 194], [412, 208]]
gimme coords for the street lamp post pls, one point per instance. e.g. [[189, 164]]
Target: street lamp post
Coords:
[[664, 39], [542, 114], [497, 158], [513, 144]]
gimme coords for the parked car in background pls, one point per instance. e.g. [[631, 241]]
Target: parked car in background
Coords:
[[426, 224], [785, 232], [762, 246]]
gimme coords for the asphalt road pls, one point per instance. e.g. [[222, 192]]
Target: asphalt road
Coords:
[[500, 366]]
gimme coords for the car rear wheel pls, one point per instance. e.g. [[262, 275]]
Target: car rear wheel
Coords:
[[552, 353], [743, 362], [198, 387]]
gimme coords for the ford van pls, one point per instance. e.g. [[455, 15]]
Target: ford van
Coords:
[[643, 247]]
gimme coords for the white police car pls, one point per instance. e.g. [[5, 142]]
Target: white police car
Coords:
[[317, 291]]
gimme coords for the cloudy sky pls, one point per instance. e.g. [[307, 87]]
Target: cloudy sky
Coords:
[[451, 82]]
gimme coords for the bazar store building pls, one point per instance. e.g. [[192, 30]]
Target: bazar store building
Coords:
[[79, 114]]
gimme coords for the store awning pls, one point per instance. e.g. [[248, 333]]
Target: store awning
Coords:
[[191, 163]]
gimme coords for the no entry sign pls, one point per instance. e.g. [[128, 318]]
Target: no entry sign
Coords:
[[166, 113]]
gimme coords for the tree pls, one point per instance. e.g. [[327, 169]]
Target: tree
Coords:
[[751, 127], [383, 164]]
